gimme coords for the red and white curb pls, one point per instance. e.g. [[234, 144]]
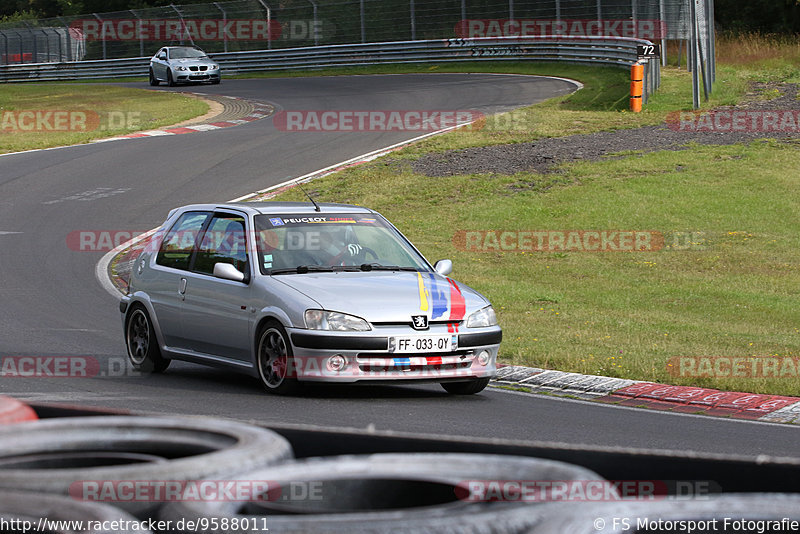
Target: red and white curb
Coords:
[[636, 393], [260, 111]]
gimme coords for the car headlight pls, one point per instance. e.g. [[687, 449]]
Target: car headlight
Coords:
[[328, 320], [214, 67], [181, 68], [482, 318]]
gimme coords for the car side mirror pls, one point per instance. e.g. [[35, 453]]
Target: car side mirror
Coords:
[[226, 271], [443, 267], [162, 57]]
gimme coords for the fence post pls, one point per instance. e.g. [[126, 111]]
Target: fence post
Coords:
[[413, 20], [139, 31], [316, 33], [5, 42], [511, 9], [102, 33], [662, 28], [363, 23], [33, 38], [224, 21], [269, 23]]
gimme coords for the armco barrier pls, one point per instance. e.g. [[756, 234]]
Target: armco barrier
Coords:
[[613, 51]]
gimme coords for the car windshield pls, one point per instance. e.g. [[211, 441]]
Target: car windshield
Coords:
[[333, 242], [184, 53]]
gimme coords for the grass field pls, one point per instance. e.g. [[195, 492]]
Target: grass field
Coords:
[[729, 289], [49, 114]]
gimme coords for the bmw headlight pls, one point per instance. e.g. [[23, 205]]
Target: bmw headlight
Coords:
[[181, 68], [214, 67], [328, 320], [482, 318]]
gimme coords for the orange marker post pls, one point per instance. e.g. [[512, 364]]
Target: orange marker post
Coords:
[[637, 84]]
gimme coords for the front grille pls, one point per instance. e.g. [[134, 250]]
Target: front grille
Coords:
[[203, 67], [193, 67]]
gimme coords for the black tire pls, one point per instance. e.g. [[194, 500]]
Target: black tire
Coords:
[[387, 493], [170, 79], [215, 82], [28, 506], [591, 518], [274, 360], [153, 80], [471, 387], [54, 456], [140, 338]]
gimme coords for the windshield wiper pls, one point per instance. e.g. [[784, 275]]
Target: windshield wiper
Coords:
[[380, 267], [303, 269]]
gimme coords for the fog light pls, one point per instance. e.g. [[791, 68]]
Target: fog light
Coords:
[[336, 363], [483, 358]]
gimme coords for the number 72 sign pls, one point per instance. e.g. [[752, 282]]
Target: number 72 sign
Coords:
[[648, 51]]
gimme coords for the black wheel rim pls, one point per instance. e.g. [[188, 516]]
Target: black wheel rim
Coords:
[[273, 358], [138, 337]]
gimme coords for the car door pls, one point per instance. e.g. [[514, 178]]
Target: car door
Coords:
[[169, 268], [217, 313], [160, 65]]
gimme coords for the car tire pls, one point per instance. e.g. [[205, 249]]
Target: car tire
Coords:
[[28, 506], [386, 493], [153, 80], [170, 79], [71, 455], [470, 387], [215, 82], [275, 360], [140, 339]]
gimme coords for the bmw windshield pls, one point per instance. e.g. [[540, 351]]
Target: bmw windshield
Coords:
[[186, 53], [334, 242]]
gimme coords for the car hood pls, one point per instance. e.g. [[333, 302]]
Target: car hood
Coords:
[[191, 61], [389, 297]]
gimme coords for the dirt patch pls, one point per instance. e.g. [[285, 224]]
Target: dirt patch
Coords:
[[545, 155]]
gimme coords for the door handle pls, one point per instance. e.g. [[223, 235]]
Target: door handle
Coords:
[[182, 288]]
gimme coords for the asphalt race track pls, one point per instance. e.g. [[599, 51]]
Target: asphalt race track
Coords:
[[52, 305]]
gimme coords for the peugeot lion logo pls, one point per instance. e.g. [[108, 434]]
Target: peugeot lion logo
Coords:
[[419, 322]]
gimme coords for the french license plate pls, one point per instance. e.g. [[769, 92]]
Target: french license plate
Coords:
[[423, 343]]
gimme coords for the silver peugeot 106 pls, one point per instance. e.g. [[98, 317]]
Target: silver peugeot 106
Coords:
[[182, 64], [295, 292]]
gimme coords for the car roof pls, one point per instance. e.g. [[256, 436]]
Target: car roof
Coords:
[[279, 208]]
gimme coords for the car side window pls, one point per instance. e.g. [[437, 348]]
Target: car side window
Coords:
[[223, 242], [178, 244]]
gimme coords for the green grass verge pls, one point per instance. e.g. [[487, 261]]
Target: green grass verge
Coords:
[[82, 113]]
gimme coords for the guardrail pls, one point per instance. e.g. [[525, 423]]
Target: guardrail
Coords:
[[614, 51]]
